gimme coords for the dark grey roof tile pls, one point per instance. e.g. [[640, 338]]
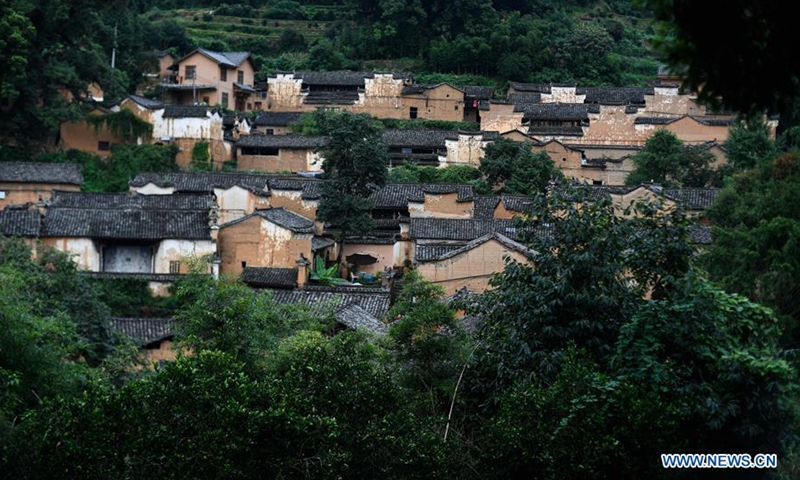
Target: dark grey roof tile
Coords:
[[282, 141], [40, 172], [143, 331], [270, 277], [19, 223]]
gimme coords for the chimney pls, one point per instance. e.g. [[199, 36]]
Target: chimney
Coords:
[[302, 271]]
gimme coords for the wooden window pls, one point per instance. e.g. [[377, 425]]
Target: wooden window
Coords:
[[190, 72], [240, 77], [225, 99], [174, 266], [270, 131], [223, 74], [412, 112], [103, 146], [206, 100]]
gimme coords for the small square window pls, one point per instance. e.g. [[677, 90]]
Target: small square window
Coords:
[[412, 112], [597, 182], [244, 264], [206, 100], [103, 146], [270, 131], [2, 195], [191, 72]]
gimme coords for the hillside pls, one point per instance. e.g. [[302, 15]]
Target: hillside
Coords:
[[590, 42]]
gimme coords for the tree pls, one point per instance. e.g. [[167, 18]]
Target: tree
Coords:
[[511, 167], [666, 161], [751, 72], [757, 237], [716, 357], [429, 343], [355, 167], [748, 143], [590, 274]]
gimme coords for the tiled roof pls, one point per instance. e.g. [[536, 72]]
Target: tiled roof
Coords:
[[128, 224], [355, 317], [693, 198], [288, 220], [152, 277], [700, 234], [655, 120], [231, 59], [457, 229], [40, 172], [522, 98], [186, 111], [324, 300], [554, 111], [243, 87], [203, 182], [530, 87], [19, 223], [715, 121], [145, 102], [318, 243], [415, 138], [397, 195], [182, 201], [143, 331], [270, 277], [424, 252], [478, 92], [615, 95], [282, 141], [325, 97], [568, 130], [484, 206], [505, 241], [280, 119], [311, 188], [342, 77]]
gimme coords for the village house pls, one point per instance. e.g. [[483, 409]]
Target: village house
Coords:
[[438, 148], [265, 238], [85, 137], [605, 124], [212, 78], [151, 237], [34, 182], [279, 153], [275, 123], [153, 336], [381, 95]]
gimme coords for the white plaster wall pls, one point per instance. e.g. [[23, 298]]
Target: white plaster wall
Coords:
[[562, 95], [383, 90], [285, 91], [234, 203], [208, 128], [82, 251], [151, 189], [177, 250]]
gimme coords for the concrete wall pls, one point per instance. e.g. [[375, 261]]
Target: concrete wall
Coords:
[[441, 206], [22, 193], [260, 243], [472, 269]]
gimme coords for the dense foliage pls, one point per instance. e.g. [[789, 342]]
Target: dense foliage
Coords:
[[665, 160]]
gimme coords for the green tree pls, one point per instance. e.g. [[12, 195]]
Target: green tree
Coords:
[[756, 247], [355, 166], [716, 357], [751, 72], [590, 273], [666, 161], [429, 342], [748, 143], [511, 167]]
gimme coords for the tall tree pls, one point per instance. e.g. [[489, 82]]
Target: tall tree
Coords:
[[667, 161], [355, 167]]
